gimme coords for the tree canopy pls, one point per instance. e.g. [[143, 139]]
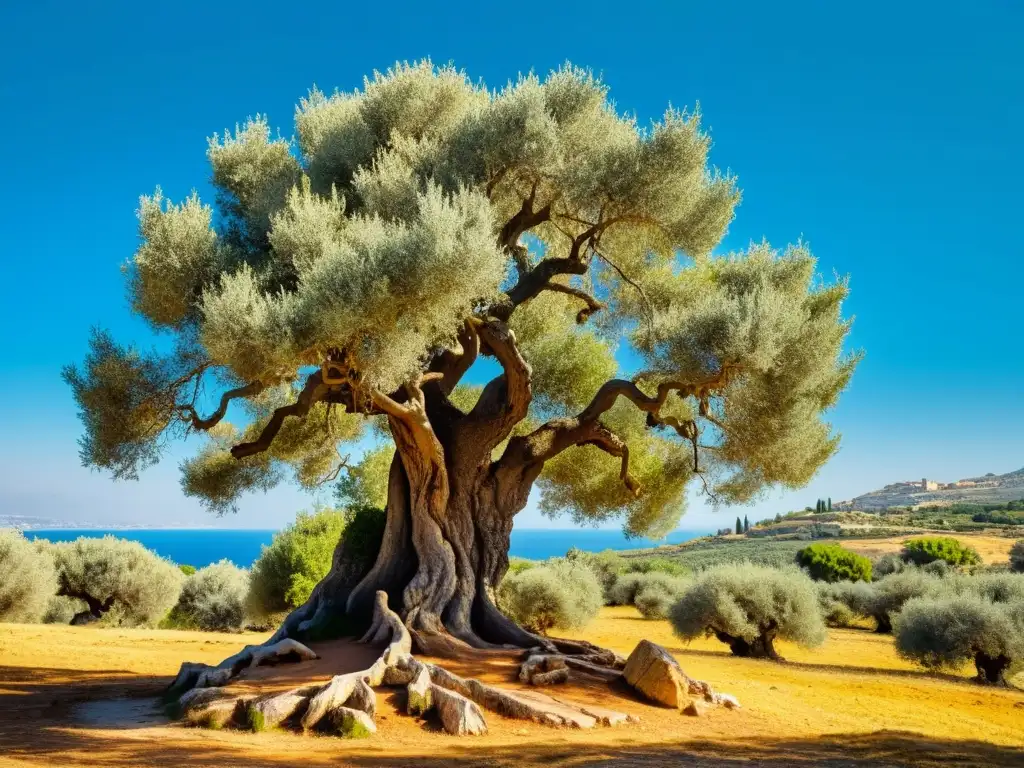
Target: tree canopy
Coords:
[[425, 219]]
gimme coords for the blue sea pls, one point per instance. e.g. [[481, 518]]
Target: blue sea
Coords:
[[201, 547]]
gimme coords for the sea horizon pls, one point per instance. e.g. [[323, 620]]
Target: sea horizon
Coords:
[[201, 546]]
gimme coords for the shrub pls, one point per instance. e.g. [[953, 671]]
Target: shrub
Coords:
[[61, 610], [27, 578], [931, 548], [947, 631], [994, 587], [831, 562], [748, 607], [608, 565], [656, 565], [213, 599], [518, 565], [297, 559], [119, 580], [1017, 557], [629, 586], [559, 593], [188, 570], [844, 602], [887, 565], [892, 593]]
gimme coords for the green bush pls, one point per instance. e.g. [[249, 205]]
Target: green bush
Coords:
[[950, 630], [27, 578], [213, 599], [843, 603], [121, 581], [519, 564], [186, 569], [748, 606], [831, 562], [297, 559], [931, 548], [559, 593], [892, 593], [1017, 557]]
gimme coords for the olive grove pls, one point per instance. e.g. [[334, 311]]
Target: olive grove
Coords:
[[348, 280]]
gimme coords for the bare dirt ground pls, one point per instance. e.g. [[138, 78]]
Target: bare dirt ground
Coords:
[[78, 696]]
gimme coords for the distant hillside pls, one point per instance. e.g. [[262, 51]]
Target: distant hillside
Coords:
[[987, 489]]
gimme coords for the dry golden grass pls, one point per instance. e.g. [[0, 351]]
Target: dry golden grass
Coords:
[[993, 549], [851, 702]]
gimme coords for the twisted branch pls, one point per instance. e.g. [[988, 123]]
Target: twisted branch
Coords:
[[188, 412]]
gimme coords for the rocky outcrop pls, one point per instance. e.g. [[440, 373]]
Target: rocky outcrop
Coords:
[[544, 670], [655, 673], [652, 671], [352, 723]]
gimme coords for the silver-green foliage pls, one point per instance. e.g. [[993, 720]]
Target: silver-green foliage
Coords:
[[27, 578], [213, 598], [945, 631], [560, 593], [135, 586], [629, 586], [749, 601], [376, 234], [844, 602], [893, 592]]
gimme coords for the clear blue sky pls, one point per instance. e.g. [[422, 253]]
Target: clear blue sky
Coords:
[[888, 135]]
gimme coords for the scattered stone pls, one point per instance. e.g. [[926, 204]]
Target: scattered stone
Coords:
[[542, 708], [363, 698], [459, 716], [605, 717], [653, 672], [727, 700], [419, 700], [695, 708], [352, 723]]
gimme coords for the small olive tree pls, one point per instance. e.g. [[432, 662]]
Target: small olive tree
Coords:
[[116, 578], [1017, 557], [559, 593], [27, 578], [748, 606], [213, 599], [653, 592], [844, 602], [948, 631], [994, 587], [893, 592]]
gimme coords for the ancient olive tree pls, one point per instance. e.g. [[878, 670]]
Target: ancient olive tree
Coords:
[[354, 275]]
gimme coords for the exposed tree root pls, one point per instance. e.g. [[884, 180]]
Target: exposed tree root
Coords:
[[347, 703]]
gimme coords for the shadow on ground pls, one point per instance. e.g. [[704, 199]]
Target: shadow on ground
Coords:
[[38, 726]]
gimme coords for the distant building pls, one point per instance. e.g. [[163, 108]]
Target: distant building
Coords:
[[929, 485]]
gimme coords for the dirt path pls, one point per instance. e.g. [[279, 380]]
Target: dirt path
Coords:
[[84, 697]]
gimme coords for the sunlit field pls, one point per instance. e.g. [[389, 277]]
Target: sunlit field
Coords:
[[84, 697]]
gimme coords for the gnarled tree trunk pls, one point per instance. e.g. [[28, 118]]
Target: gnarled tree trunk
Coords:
[[451, 504], [991, 669]]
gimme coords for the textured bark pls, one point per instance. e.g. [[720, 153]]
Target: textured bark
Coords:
[[991, 670], [762, 647], [451, 504]]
